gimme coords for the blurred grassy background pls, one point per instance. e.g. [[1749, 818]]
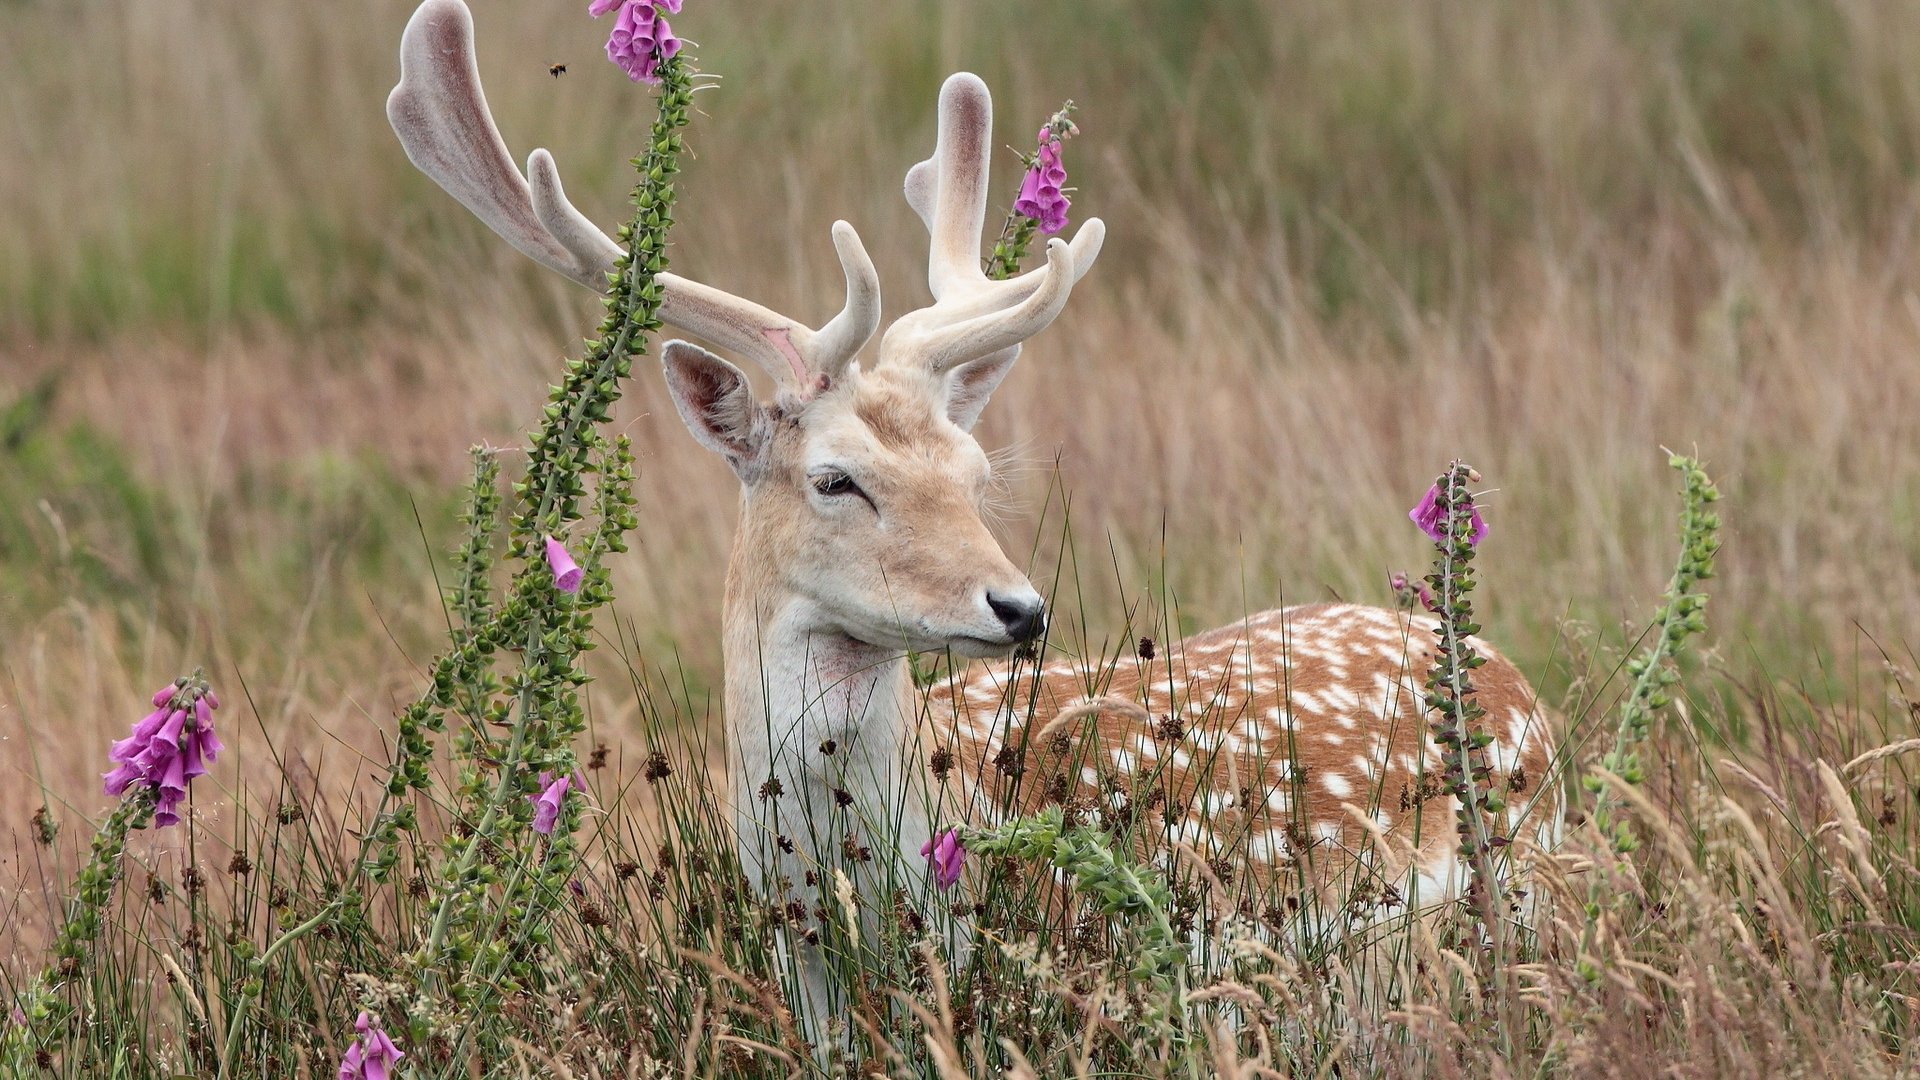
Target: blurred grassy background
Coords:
[[243, 345]]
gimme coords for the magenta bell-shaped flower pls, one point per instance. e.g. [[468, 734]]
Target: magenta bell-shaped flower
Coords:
[[1433, 521], [641, 38], [567, 574], [946, 855], [372, 1056], [546, 805], [167, 749], [1042, 196]]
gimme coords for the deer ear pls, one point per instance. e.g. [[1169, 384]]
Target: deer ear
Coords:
[[716, 402], [973, 382]]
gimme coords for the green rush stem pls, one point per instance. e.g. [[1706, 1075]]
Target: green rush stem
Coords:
[[248, 994], [446, 668], [93, 888]]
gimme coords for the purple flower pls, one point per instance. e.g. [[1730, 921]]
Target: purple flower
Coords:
[[166, 749], [1433, 520], [372, 1056], [567, 575], [1041, 196], [546, 805], [945, 853], [641, 38], [1406, 591]]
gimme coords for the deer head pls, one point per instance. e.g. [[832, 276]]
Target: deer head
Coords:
[[862, 489]]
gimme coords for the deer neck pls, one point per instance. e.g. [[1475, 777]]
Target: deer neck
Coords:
[[816, 710]]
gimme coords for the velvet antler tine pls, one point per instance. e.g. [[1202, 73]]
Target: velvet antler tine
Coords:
[[836, 343], [441, 116], [973, 317], [592, 250], [960, 187], [922, 180], [778, 344], [956, 343], [991, 296], [440, 113]]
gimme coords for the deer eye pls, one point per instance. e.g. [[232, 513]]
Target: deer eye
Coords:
[[834, 482]]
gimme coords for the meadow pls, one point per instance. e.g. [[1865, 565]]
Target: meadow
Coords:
[[244, 348]]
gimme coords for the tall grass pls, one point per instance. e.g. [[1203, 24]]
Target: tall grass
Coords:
[[1349, 242], [1547, 239], [1762, 929]]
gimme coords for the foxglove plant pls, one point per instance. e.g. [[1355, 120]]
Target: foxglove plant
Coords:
[[1448, 515], [641, 40], [1121, 889], [547, 804], [567, 574], [944, 855], [1042, 203], [373, 1055], [1409, 593], [1430, 515], [166, 750], [486, 910], [1681, 615], [1041, 196], [471, 598]]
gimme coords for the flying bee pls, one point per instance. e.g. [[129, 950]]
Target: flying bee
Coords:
[[557, 70]]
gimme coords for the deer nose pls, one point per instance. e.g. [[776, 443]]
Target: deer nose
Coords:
[[1025, 617]]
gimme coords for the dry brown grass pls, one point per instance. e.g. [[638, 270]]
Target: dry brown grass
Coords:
[[1349, 243]]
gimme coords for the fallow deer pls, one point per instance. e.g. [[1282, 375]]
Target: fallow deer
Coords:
[[1292, 739]]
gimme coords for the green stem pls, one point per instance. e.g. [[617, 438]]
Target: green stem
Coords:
[[559, 453], [93, 889], [1450, 696], [251, 990], [1682, 614]]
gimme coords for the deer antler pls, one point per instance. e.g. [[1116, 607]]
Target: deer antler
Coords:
[[973, 316], [440, 114]]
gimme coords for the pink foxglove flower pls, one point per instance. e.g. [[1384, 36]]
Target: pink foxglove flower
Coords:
[[1042, 196], [167, 749], [546, 805], [1407, 591], [1433, 521], [567, 574], [946, 854], [372, 1056], [641, 39]]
